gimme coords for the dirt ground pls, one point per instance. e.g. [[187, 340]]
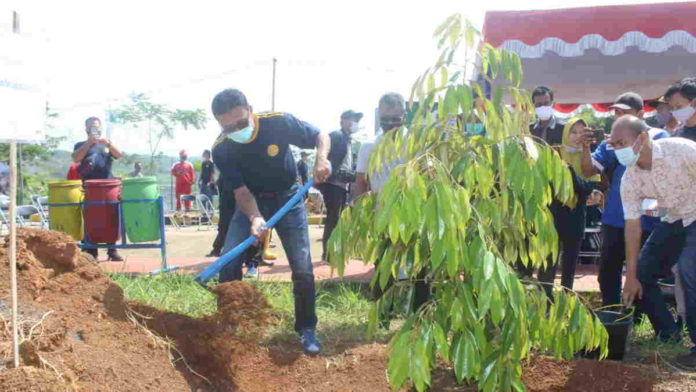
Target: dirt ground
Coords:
[[80, 334]]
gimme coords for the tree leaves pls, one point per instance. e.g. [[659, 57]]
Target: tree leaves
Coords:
[[161, 120], [462, 211]]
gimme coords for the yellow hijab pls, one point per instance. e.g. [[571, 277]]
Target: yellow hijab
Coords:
[[572, 155]]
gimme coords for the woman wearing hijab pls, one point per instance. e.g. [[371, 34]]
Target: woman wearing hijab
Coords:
[[570, 222]]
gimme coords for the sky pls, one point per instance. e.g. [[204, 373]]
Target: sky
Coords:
[[332, 56]]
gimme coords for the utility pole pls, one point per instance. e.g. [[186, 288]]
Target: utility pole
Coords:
[[273, 93]]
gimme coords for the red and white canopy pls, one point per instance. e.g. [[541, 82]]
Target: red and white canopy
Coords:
[[591, 55]]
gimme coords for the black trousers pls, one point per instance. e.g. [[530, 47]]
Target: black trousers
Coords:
[[612, 258], [334, 200], [111, 252], [227, 207], [570, 251], [569, 248], [421, 295]]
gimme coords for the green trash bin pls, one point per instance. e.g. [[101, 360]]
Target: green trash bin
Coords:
[[141, 219]]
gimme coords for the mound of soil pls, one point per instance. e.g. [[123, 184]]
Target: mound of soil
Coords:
[[75, 326], [27, 378]]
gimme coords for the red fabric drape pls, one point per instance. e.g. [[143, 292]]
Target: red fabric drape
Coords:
[[611, 22]]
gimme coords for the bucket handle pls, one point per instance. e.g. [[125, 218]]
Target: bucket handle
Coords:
[[627, 312]]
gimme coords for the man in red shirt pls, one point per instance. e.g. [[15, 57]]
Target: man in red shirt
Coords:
[[185, 177], [73, 174]]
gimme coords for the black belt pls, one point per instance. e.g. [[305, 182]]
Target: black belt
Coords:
[[273, 195]]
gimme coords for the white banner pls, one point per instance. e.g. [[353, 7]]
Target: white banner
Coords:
[[22, 99]]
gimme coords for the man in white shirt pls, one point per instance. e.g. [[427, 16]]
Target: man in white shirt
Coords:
[[664, 170], [391, 112]]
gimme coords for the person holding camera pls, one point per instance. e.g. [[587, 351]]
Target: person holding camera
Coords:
[[335, 189], [95, 157]]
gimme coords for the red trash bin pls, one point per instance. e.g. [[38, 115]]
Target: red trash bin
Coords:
[[101, 220]]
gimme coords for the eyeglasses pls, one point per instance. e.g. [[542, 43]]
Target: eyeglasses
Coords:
[[391, 122]]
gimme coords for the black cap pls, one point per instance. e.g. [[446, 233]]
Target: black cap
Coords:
[[304, 154], [628, 101], [656, 102], [351, 115]]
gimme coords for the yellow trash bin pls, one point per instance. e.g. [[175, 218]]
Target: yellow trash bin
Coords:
[[67, 219]]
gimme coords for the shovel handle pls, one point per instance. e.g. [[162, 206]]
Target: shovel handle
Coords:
[[213, 269]]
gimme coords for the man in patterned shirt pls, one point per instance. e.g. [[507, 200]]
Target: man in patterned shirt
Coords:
[[664, 170]]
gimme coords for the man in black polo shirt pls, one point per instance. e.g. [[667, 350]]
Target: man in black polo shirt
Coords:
[[302, 168], [95, 157], [335, 190], [206, 181], [255, 161], [683, 104]]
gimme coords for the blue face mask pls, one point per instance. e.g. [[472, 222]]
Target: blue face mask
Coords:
[[243, 135], [626, 156], [474, 129]]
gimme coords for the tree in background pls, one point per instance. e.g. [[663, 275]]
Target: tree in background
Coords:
[[461, 212], [158, 119]]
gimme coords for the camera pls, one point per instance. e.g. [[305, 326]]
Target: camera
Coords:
[[94, 131], [598, 134]]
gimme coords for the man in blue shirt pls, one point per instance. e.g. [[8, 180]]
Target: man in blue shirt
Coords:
[[95, 157], [256, 164], [604, 160]]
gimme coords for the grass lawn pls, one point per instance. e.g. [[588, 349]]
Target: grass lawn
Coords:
[[342, 310]]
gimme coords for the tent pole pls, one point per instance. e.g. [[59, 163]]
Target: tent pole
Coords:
[[13, 250]]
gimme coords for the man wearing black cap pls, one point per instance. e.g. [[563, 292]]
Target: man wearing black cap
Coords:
[[604, 160], [663, 118], [335, 189], [302, 168]]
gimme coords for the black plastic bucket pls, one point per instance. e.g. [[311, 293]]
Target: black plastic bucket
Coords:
[[619, 326]]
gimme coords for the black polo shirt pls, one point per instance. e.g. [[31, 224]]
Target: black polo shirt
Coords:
[[96, 165], [303, 171], [206, 172], [266, 163]]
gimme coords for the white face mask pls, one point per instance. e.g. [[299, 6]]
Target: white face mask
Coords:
[[243, 135], [544, 112], [354, 127], [626, 156], [684, 114]]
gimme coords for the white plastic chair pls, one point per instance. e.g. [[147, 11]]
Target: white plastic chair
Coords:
[[206, 210], [24, 214], [41, 204]]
